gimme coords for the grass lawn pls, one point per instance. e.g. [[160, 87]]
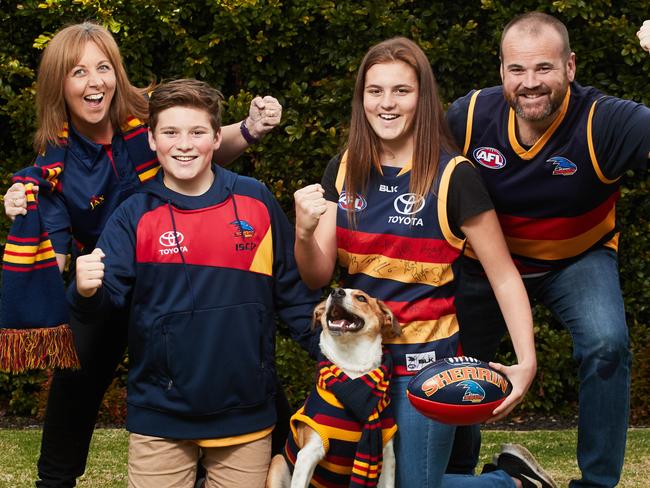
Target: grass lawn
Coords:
[[107, 462]]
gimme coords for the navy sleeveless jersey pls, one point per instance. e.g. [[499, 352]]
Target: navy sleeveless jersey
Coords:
[[402, 251], [553, 201]]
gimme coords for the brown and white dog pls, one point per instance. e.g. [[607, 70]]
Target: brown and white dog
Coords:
[[353, 325]]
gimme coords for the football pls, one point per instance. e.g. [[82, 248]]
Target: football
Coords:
[[459, 390]]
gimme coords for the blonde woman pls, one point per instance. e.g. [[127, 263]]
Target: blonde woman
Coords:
[[92, 119]]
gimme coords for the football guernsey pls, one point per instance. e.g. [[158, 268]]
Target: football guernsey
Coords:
[[403, 251], [557, 199]]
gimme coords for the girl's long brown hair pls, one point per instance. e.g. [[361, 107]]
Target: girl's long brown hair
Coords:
[[61, 54], [430, 129]]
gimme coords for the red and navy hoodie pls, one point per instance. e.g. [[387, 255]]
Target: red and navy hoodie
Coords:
[[203, 278]]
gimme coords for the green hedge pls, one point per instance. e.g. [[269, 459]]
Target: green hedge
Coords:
[[305, 52]]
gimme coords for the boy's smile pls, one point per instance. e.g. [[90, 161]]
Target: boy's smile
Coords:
[[184, 142]]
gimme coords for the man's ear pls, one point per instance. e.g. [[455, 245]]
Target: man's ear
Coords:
[[318, 314], [571, 67], [152, 139]]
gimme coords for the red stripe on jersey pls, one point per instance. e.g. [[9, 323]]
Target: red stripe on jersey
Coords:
[[556, 228], [426, 309], [418, 249]]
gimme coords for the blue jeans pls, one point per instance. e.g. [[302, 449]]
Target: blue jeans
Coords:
[[422, 449], [586, 298]]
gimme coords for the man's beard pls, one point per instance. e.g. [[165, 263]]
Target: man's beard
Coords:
[[552, 104]]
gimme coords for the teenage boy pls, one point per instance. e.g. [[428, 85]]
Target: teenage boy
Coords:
[[203, 258]]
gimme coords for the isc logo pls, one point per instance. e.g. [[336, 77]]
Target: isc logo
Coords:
[[489, 157], [245, 246]]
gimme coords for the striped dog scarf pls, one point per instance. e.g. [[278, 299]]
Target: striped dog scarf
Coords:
[[34, 331], [366, 398]]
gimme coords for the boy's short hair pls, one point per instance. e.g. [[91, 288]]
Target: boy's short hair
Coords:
[[186, 93]]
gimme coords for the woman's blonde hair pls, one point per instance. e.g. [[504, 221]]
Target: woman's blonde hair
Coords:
[[430, 130], [61, 54]]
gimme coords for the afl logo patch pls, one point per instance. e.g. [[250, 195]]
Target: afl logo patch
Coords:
[[345, 203], [562, 166], [489, 157]]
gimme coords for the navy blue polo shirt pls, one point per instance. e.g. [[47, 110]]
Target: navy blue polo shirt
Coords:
[[95, 180]]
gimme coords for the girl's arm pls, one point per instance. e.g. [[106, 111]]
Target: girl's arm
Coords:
[[315, 246], [484, 234]]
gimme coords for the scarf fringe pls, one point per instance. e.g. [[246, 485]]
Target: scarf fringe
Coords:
[[43, 348]]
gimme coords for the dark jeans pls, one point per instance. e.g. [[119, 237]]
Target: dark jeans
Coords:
[[586, 299], [74, 400]]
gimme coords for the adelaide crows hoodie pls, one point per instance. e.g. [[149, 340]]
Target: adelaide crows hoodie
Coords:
[[203, 278]]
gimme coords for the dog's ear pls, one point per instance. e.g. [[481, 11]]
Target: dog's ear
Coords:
[[318, 313], [390, 326]]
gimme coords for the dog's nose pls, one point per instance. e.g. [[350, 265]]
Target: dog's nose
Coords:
[[338, 292]]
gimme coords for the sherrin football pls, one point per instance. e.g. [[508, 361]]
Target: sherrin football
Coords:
[[459, 390]]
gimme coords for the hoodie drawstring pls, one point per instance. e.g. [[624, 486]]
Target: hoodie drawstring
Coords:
[[234, 204], [180, 251]]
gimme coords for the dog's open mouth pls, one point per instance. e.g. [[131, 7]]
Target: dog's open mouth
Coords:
[[339, 320]]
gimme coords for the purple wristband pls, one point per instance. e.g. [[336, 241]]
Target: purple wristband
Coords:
[[246, 134]]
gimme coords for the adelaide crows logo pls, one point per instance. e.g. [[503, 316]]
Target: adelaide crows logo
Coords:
[[96, 201], [474, 393], [562, 166], [243, 229]]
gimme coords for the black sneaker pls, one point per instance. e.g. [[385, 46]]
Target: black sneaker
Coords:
[[519, 463]]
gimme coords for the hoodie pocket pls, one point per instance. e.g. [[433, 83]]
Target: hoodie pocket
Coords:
[[213, 359]]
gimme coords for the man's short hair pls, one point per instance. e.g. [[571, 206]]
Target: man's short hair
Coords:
[[532, 22], [186, 93]]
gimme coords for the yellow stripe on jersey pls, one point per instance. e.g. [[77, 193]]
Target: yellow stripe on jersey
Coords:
[[402, 270], [469, 123], [263, 260], [564, 248], [528, 154], [423, 331], [613, 242], [340, 176], [592, 151], [443, 190]]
